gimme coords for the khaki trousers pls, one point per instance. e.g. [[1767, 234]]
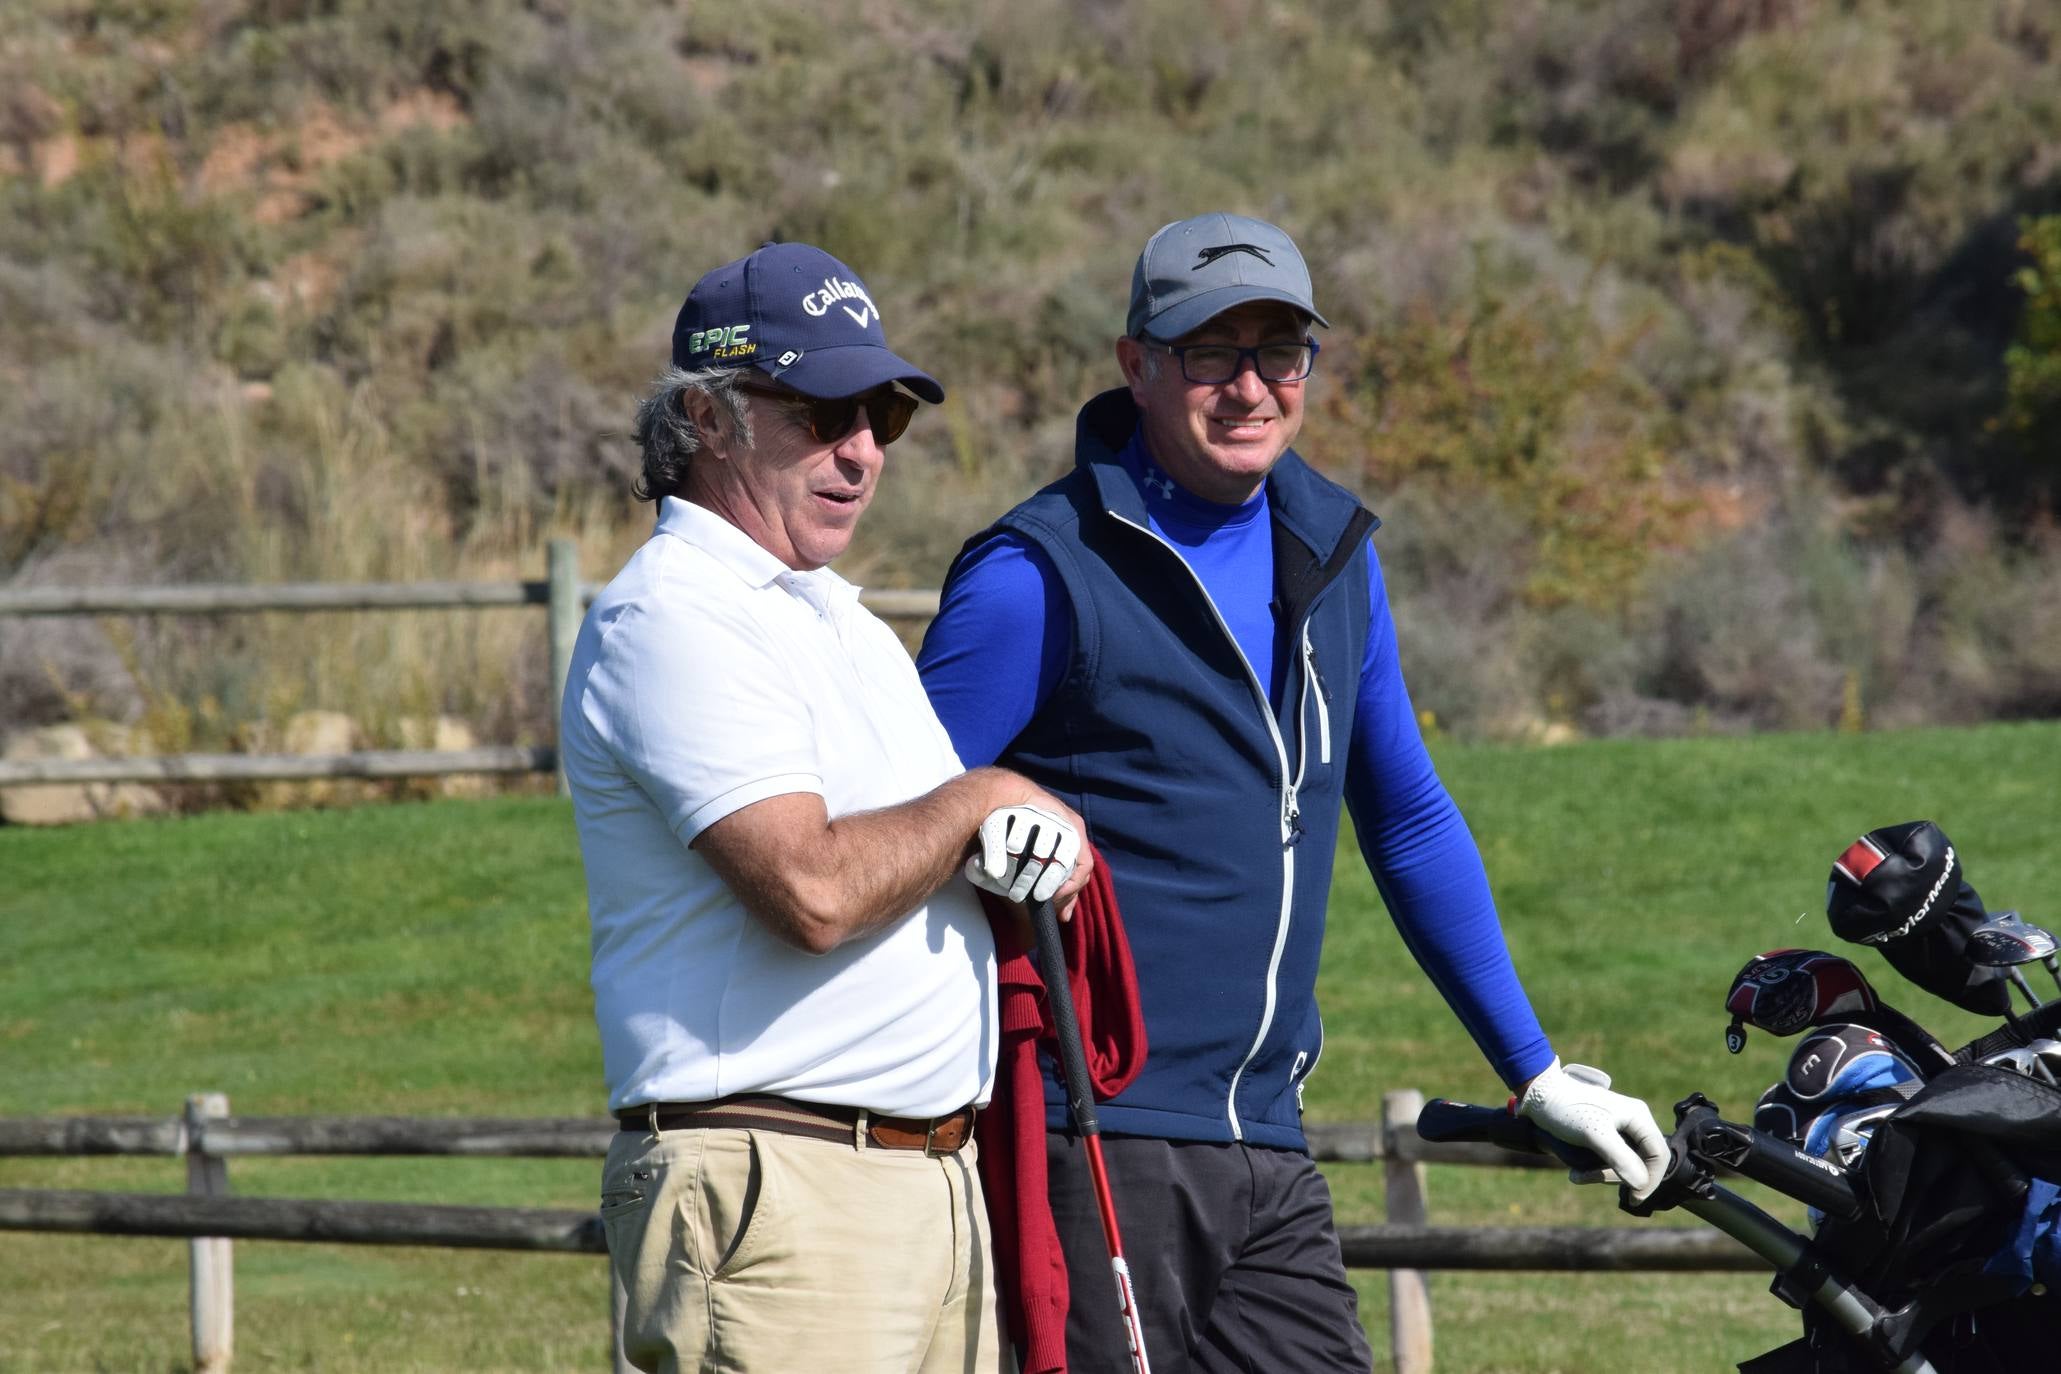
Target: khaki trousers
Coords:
[[755, 1252]]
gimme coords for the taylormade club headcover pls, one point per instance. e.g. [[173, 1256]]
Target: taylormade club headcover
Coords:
[[1901, 889]]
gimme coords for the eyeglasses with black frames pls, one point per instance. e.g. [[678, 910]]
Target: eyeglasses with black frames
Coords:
[[829, 418], [1215, 364]]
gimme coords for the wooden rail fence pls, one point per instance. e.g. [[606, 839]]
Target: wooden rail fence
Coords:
[[209, 1137], [561, 594]]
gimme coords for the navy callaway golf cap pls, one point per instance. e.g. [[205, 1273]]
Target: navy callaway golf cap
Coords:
[[798, 315], [1195, 269]]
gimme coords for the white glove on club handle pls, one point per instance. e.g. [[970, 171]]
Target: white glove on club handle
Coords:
[[1024, 854], [1575, 1104]]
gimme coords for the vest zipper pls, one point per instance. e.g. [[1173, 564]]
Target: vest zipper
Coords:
[[1309, 678], [1291, 825]]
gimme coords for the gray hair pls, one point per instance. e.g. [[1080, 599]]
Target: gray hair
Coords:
[[668, 438], [1149, 359]]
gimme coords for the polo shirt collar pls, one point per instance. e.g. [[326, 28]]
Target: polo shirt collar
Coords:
[[826, 593]]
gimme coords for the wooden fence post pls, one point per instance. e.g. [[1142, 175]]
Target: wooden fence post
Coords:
[[566, 613], [1409, 1299], [213, 1292]]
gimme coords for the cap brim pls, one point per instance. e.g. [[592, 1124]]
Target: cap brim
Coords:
[[852, 369], [1197, 311]]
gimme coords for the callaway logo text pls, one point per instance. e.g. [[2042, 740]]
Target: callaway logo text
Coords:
[[838, 291]]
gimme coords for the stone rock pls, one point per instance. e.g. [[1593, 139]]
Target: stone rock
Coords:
[[319, 732], [442, 734], [308, 734], [70, 803]]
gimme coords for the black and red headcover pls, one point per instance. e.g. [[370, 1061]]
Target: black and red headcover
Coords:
[[1785, 990], [1901, 889]]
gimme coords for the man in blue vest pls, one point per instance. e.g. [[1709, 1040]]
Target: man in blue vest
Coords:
[[1188, 641]]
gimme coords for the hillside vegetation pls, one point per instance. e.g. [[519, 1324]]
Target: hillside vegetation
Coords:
[[1703, 357]]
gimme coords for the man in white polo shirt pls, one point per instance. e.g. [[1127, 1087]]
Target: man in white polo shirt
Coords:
[[795, 990]]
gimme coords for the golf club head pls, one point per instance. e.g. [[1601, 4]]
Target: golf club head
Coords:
[[2007, 940], [2041, 1059]]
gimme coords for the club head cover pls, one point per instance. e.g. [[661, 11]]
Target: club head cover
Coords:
[[1785, 990], [1848, 1063], [1902, 889], [1842, 1067]]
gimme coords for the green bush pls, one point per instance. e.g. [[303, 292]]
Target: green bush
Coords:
[[2033, 362]]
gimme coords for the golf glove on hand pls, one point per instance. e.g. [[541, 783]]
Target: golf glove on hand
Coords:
[[1575, 1104], [1023, 853]]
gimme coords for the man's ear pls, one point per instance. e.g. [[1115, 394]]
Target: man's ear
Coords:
[[1130, 356], [708, 420]]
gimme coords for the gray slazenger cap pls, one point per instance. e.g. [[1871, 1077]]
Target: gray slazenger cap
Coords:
[[1195, 269]]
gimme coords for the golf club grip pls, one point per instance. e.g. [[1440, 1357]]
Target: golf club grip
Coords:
[[1442, 1119], [1073, 1060]]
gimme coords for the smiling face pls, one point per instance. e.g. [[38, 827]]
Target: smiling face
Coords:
[[1218, 440], [799, 498]]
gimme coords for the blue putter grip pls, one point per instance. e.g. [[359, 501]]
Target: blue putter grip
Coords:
[[1073, 1061]]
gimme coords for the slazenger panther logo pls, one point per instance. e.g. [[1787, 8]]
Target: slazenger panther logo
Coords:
[[836, 290], [1204, 257]]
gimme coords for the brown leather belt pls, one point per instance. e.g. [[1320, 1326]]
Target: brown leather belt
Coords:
[[938, 1135]]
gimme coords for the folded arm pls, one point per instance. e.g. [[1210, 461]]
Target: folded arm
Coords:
[[818, 882]]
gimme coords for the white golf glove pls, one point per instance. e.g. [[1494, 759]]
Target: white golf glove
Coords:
[[1024, 853], [1575, 1104]]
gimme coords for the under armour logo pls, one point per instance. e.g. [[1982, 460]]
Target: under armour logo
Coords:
[[1206, 256], [1159, 482]]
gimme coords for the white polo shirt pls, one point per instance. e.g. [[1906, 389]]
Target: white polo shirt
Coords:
[[709, 676]]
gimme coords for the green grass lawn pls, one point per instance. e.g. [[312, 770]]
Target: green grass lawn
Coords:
[[431, 959]]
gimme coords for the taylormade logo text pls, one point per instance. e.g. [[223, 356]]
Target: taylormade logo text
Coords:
[[1924, 907], [838, 291]]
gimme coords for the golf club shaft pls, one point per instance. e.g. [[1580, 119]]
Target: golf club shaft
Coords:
[[1080, 1098]]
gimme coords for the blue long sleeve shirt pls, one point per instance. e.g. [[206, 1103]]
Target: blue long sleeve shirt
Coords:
[[1000, 644]]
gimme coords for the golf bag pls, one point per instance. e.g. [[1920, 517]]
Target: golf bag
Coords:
[[1960, 1234]]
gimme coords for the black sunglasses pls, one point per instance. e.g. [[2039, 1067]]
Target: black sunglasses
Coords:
[[829, 418]]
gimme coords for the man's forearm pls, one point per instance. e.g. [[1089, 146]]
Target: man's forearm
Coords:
[[888, 862], [818, 882]]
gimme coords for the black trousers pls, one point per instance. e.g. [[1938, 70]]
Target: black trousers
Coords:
[[1232, 1251]]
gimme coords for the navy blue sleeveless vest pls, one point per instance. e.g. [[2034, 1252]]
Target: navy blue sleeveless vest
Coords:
[[1216, 813]]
